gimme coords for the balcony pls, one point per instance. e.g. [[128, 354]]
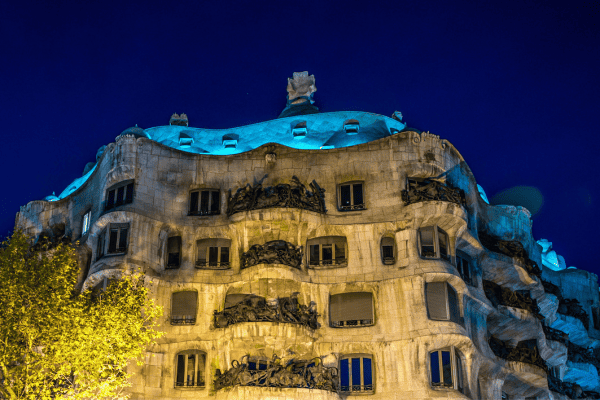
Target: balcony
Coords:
[[205, 264], [525, 351], [432, 190], [513, 249], [499, 295]]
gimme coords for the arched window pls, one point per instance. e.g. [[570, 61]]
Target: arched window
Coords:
[[173, 252], [327, 251], [190, 369], [433, 243], [446, 370], [356, 374], [442, 302], [388, 250], [213, 253], [351, 309], [184, 306]]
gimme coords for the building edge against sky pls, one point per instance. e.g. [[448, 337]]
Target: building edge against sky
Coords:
[[325, 255]]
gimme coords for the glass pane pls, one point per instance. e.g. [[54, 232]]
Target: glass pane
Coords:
[[224, 254], [129, 194], [443, 239], [193, 202], [110, 202], [358, 193], [388, 252], [262, 366], [340, 253], [327, 252], [367, 373], [345, 195], [86, 222], [446, 368], [214, 202], [204, 202], [356, 381], [435, 368], [112, 241], [123, 240], [314, 254], [427, 246], [180, 370], [251, 366], [120, 195], [459, 378], [213, 254], [344, 375], [201, 363]]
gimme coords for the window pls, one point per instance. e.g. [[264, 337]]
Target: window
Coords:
[[596, 317], [387, 250], [119, 194], [327, 251], [433, 243], [463, 264], [350, 196], [446, 369], [351, 127], [85, 226], [183, 307], [213, 253], [173, 252], [351, 309], [356, 374], [190, 369], [205, 202], [442, 302], [299, 130], [116, 235]]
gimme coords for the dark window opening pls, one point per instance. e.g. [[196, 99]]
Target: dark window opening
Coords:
[[356, 374], [117, 236], [190, 369], [183, 308], [387, 250], [596, 317], [463, 264], [173, 252], [119, 194], [327, 251], [351, 309], [205, 202], [351, 197], [213, 254], [434, 243]]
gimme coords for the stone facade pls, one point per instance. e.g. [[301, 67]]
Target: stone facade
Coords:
[[398, 286]]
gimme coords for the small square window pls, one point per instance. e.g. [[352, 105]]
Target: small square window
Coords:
[[113, 240], [85, 225], [184, 306], [446, 370], [190, 369], [351, 127], [356, 374], [213, 254], [433, 243], [119, 194], [350, 197], [328, 251], [205, 202], [351, 309]]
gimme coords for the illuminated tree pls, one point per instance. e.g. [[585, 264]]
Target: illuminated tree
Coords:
[[56, 342]]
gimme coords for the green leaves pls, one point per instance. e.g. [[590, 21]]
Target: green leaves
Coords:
[[56, 343]]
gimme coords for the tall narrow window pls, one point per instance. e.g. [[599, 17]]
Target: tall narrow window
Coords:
[[119, 194], [183, 308], [173, 252], [350, 196], [463, 264], [327, 251], [351, 309], [442, 302], [205, 202], [356, 374], [387, 250], [101, 244], [190, 369], [85, 223], [117, 241], [434, 243], [213, 254], [596, 317], [446, 369]]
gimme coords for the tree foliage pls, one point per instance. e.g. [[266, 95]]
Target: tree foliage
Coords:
[[56, 342]]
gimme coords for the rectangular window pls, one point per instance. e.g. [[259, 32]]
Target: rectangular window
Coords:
[[205, 202], [87, 217], [387, 250], [117, 241], [433, 243], [596, 317], [190, 369], [356, 374], [350, 196], [327, 251], [442, 302], [119, 194], [183, 308], [213, 253], [101, 241], [351, 309], [446, 369], [173, 252], [463, 264]]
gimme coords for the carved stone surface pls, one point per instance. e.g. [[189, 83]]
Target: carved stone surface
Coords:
[[572, 390], [499, 295], [579, 354], [311, 374], [301, 87], [526, 351], [511, 248], [255, 308], [429, 189], [273, 252], [573, 308], [294, 195], [551, 288], [555, 334]]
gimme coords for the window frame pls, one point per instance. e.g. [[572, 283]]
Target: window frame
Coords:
[[363, 390], [86, 222], [104, 243], [460, 255], [344, 323], [198, 202], [127, 196], [436, 244], [352, 207], [183, 321], [326, 241], [596, 318], [449, 314], [168, 264], [384, 260], [456, 370], [206, 263], [186, 383]]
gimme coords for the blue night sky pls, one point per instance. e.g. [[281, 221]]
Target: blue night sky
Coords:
[[513, 85]]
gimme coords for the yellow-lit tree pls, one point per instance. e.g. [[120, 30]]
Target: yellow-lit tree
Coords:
[[57, 342]]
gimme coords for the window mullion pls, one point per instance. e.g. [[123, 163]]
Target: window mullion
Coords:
[[441, 367], [195, 377], [351, 194], [185, 374]]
